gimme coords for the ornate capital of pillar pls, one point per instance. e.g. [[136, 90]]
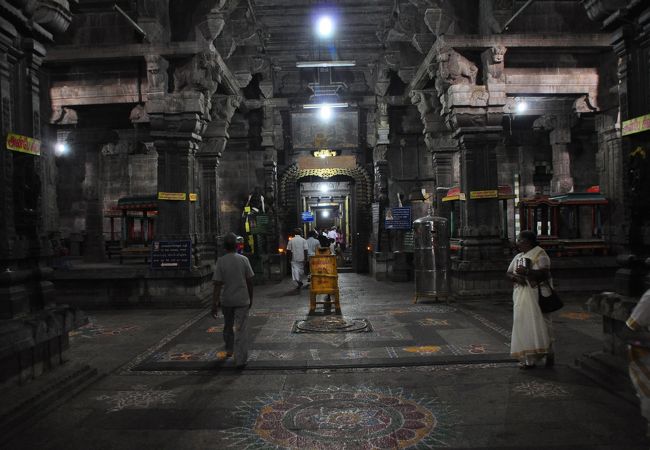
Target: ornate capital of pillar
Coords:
[[468, 109], [559, 126], [379, 152], [382, 124], [157, 79]]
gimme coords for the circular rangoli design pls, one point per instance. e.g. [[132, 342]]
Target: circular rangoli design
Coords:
[[332, 324], [344, 418]]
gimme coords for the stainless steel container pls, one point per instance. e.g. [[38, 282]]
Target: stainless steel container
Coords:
[[431, 257]]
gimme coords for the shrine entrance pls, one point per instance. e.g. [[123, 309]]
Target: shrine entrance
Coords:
[[317, 199]]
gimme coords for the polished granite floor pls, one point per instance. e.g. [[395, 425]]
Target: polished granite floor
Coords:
[[415, 376]]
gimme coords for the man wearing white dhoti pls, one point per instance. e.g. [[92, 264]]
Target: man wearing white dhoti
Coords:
[[639, 352], [298, 248], [531, 339]]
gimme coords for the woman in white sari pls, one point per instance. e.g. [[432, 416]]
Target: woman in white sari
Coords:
[[531, 337]]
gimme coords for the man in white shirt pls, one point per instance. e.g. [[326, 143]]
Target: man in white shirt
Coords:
[[312, 243], [298, 249], [332, 234]]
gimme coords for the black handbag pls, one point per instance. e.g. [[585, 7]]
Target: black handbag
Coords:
[[550, 303]]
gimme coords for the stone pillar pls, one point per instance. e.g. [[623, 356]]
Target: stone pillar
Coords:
[[474, 115], [443, 147], [89, 142], [380, 169], [214, 143], [559, 127], [272, 140], [7, 224], [176, 122], [609, 163], [480, 216]]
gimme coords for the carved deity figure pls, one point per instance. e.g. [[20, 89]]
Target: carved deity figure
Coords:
[[493, 64], [454, 68], [224, 107], [422, 102], [157, 73], [202, 73]]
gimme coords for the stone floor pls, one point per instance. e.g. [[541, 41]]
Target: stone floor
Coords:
[[410, 376]]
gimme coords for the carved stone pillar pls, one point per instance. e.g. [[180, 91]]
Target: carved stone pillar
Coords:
[[559, 138], [480, 216], [177, 121], [439, 141], [7, 225], [214, 143], [609, 163], [380, 166], [474, 113], [442, 148], [89, 142], [271, 141]]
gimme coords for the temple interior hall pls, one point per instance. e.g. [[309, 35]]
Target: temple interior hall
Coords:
[[457, 165]]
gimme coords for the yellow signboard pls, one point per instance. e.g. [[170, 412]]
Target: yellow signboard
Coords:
[[636, 125], [490, 193], [23, 144], [177, 196], [193, 197]]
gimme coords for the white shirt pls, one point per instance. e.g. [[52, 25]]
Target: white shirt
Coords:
[[332, 234], [312, 245], [297, 247]]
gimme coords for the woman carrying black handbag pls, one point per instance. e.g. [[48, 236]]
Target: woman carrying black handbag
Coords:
[[531, 329]]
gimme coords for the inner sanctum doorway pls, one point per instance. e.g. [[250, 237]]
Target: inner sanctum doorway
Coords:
[[338, 197], [329, 202]]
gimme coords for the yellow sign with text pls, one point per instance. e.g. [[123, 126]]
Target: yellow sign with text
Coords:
[[23, 144], [490, 193], [193, 197], [636, 125], [175, 196]]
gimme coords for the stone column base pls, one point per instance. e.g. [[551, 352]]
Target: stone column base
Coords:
[[381, 264]]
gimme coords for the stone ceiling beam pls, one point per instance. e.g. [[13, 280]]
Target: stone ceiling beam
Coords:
[[556, 42], [76, 54]]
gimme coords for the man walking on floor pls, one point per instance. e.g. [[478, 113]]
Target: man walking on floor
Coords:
[[233, 292], [298, 248]]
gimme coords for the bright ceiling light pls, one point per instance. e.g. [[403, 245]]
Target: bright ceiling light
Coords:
[[325, 27], [60, 149], [522, 107], [325, 213], [324, 188], [320, 105], [325, 64], [325, 112]]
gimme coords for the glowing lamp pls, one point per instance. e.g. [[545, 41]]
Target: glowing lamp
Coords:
[[325, 27]]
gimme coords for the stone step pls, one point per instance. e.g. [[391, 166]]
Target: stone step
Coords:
[[23, 405], [610, 372]]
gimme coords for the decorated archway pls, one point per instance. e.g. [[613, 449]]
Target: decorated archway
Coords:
[[362, 200]]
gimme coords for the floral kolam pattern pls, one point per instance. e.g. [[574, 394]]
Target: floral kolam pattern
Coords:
[[343, 418]]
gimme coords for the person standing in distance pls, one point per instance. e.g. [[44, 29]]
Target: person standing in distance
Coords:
[[298, 248], [312, 245], [233, 292]]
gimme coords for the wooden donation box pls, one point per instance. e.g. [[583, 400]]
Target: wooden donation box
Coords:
[[324, 280]]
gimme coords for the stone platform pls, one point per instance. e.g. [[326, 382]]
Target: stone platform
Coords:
[[111, 285]]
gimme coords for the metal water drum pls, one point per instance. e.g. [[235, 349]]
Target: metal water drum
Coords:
[[431, 256]]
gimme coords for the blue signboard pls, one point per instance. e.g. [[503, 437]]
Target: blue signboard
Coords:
[[171, 254], [307, 216], [398, 218]]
